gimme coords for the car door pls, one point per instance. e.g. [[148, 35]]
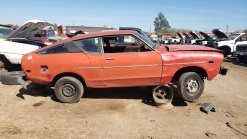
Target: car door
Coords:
[[127, 63]]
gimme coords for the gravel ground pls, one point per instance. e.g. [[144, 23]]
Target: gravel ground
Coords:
[[127, 112]]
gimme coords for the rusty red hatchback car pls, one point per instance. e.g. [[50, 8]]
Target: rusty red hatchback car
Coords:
[[121, 58]]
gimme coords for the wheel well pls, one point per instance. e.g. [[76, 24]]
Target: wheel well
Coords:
[[200, 71], [4, 59], [57, 77], [226, 49]]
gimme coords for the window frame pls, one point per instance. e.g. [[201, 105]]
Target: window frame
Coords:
[[99, 45], [59, 45], [132, 35]]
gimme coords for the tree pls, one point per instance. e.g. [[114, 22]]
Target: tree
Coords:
[[161, 22], [55, 26]]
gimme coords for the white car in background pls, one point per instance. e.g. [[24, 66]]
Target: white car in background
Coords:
[[174, 40], [4, 31], [208, 41], [14, 45], [154, 38], [228, 43], [190, 39]]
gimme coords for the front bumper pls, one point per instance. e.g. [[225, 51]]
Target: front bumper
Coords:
[[223, 70], [241, 53]]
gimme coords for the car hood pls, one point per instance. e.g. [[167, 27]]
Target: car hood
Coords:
[[205, 36], [195, 36], [174, 48], [186, 35], [219, 34], [30, 28], [180, 35]]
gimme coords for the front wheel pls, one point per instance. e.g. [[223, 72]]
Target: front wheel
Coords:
[[68, 89], [190, 86]]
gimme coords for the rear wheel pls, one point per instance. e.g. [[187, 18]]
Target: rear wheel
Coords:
[[190, 86], [68, 89]]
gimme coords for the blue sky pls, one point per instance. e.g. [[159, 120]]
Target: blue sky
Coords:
[[203, 15]]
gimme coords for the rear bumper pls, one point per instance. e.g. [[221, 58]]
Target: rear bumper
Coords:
[[223, 70]]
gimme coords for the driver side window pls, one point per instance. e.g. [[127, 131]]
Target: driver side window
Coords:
[[123, 44]]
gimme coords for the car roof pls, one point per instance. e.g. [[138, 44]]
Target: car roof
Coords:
[[89, 35], [4, 27], [104, 33]]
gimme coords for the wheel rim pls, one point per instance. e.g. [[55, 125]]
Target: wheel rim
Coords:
[[68, 90], [192, 86], [160, 94], [163, 94]]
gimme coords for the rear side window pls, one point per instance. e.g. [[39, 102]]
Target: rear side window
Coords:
[[90, 45], [54, 50]]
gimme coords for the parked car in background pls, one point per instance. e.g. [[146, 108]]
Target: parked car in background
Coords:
[[17, 42], [183, 39], [174, 40], [154, 38], [162, 40], [241, 52], [121, 58], [228, 43], [4, 31], [208, 41], [196, 39], [46, 36], [189, 39]]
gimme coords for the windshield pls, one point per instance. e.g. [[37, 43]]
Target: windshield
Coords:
[[233, 36], [147, 40], [5, 32]]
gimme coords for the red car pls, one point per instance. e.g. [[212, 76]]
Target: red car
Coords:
[[44, 36], [121, 59]]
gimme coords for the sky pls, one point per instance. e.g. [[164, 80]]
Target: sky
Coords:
[[202, 15]]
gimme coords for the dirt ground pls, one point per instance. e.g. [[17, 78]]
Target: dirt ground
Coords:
[[127, 113]]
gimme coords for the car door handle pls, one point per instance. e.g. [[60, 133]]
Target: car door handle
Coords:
[[109, 58]]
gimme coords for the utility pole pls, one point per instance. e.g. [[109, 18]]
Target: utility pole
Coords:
[[226, 29]]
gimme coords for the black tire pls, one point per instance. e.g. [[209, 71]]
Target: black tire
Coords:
[[242, 59], [68, 89], [190, 86], [2, 71], [10, 78], [162, 94]]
